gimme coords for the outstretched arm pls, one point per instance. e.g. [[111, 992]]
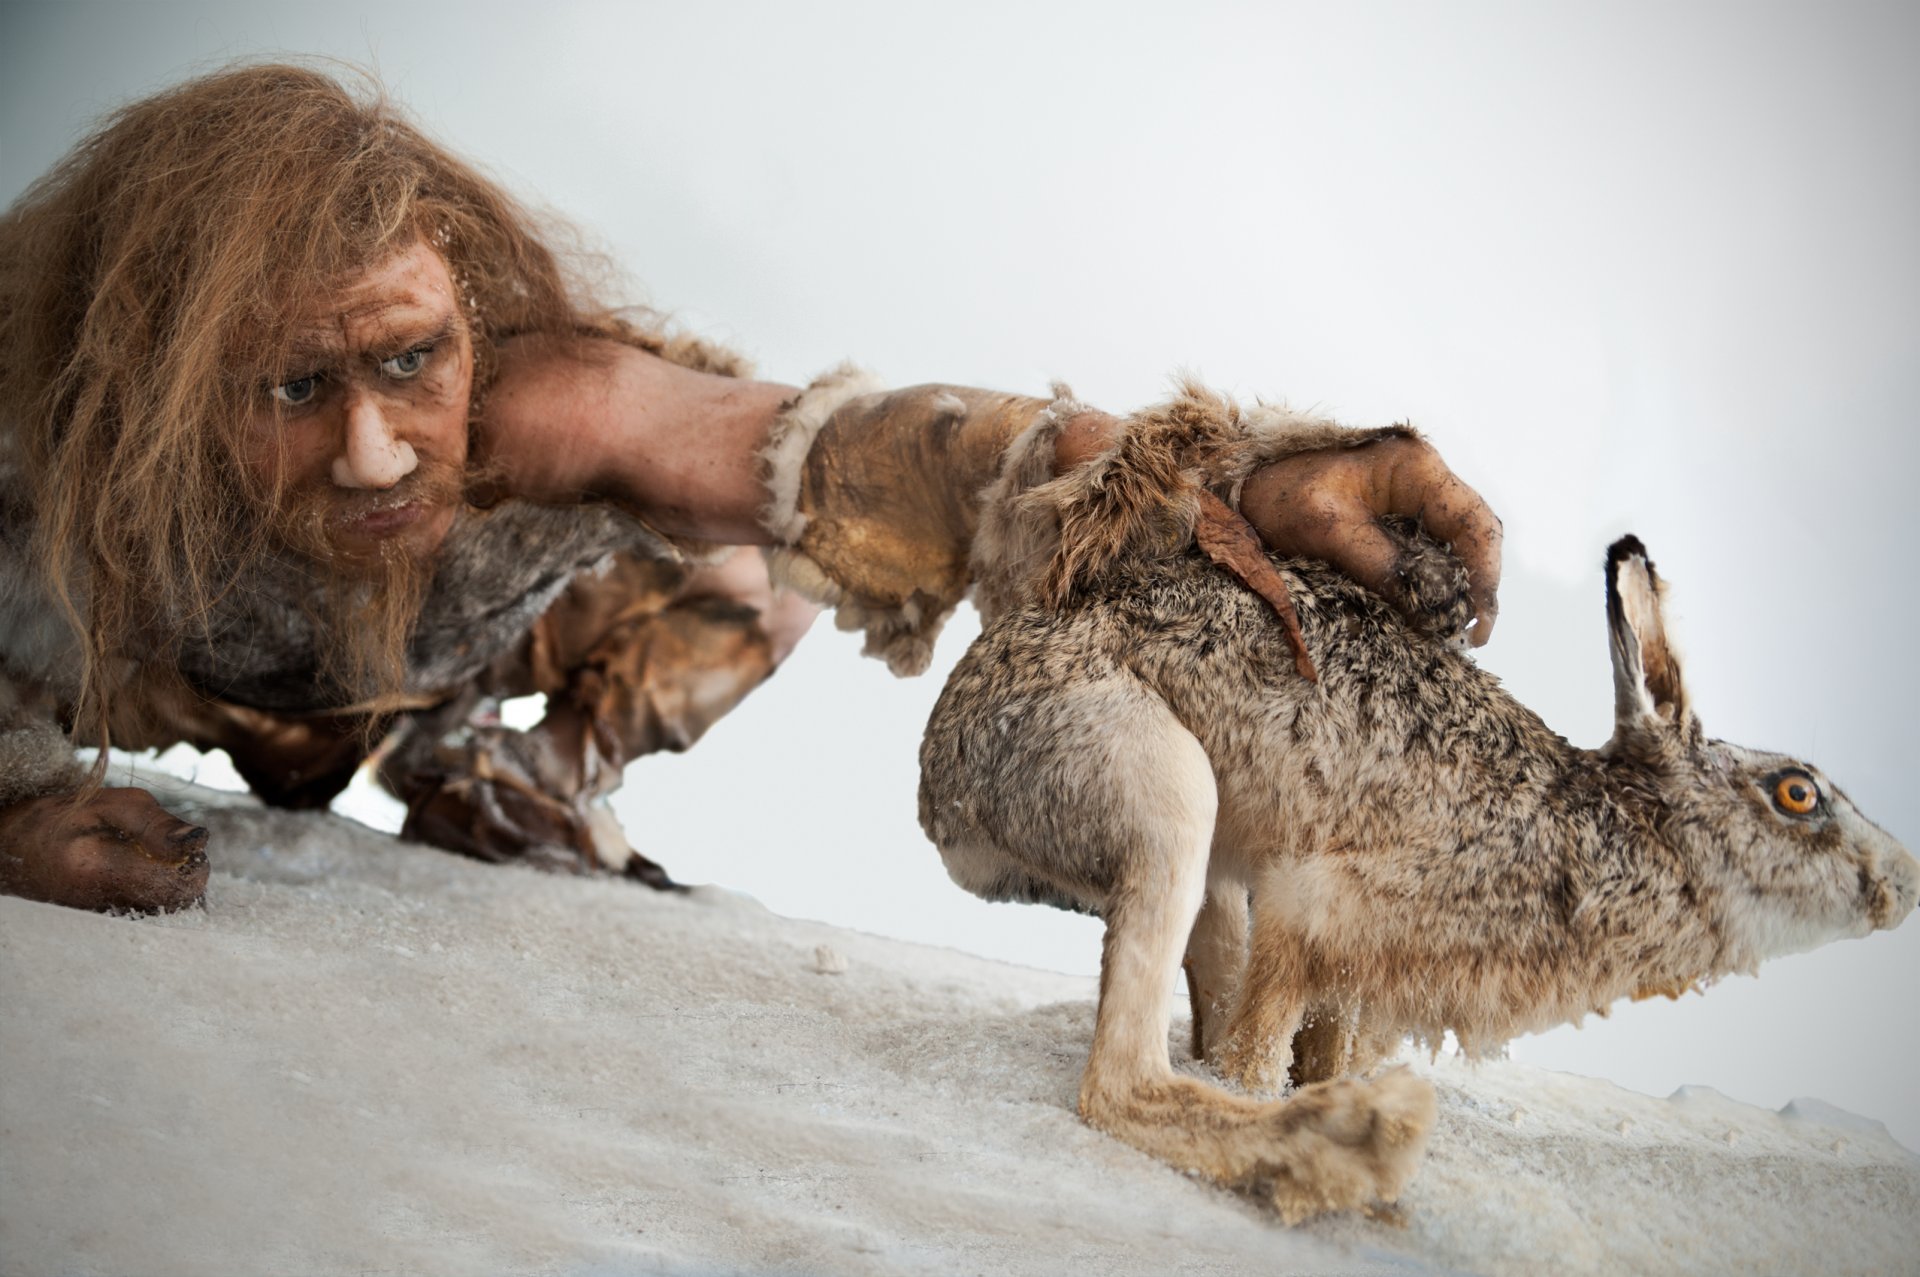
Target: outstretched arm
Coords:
[[583, 419], [574, 419]]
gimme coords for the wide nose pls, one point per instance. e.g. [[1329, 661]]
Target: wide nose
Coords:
[[372, 454]]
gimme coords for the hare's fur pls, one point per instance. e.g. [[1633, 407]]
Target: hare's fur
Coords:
[[1401, 848]]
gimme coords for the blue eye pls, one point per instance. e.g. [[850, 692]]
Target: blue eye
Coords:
[[401, 367], [301, 390]]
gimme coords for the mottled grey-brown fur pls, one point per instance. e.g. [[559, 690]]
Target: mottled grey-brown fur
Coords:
[[1401, 848]]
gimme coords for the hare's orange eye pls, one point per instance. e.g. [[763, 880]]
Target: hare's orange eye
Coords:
[[1796, 794]]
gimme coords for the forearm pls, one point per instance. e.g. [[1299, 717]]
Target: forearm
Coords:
[[848, 473], [573, 419], [873, 499], [903, 502], [925, 455], [876, 499]]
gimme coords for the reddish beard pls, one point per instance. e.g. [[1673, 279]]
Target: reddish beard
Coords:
[[371, 586]]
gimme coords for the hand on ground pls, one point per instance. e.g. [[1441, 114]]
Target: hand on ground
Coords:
[[117, 849]]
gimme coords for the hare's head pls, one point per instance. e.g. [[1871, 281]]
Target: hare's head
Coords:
[[1788, 861]]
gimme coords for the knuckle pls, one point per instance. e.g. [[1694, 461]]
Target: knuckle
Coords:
[[1323, 506], [1409, 450]]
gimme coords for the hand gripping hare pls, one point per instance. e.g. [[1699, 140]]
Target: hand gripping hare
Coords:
[[1398, 848]]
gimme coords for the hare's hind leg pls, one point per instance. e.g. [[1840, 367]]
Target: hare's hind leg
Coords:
[[1269, 1008], [1079, 786], [1325, 1045], [1216, 960], [1327, 1148]]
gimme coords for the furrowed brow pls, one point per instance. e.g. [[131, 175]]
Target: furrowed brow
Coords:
[[396, 339], [314, 348]]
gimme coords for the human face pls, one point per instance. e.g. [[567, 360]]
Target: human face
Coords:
[[370, 437]]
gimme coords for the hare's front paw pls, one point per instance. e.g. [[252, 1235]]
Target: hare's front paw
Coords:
[[1323, 1049], [1343, 1145], [1255, 1059]]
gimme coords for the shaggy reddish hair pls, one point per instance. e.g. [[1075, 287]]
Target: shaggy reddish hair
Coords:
[[148, 286]]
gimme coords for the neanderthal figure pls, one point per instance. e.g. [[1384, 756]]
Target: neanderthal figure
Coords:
[[308, 440]]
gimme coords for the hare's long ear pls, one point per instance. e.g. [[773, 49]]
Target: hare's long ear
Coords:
[[1647, 689]]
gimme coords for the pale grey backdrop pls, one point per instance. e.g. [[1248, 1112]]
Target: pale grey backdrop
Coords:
[[1633, 266]]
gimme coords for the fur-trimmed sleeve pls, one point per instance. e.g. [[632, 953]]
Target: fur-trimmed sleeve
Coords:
[[890, 507], [1045, 537]]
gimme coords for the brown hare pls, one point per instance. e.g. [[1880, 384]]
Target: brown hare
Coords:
[[1398, 848]]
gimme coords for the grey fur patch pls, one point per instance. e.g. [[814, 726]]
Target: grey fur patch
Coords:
[[498, 570], [35, 756]]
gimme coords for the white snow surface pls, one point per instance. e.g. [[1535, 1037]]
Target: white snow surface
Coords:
[[369, 1057]]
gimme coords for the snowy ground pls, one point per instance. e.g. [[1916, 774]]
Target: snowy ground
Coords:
[[370, 1058]]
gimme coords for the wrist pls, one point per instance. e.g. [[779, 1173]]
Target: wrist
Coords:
[[1084, 434]]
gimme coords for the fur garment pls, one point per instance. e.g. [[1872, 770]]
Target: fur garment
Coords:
[[1044, 539], [900, 504], [499, 571]]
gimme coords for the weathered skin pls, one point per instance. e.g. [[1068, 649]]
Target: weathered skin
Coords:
[[118, 851]]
